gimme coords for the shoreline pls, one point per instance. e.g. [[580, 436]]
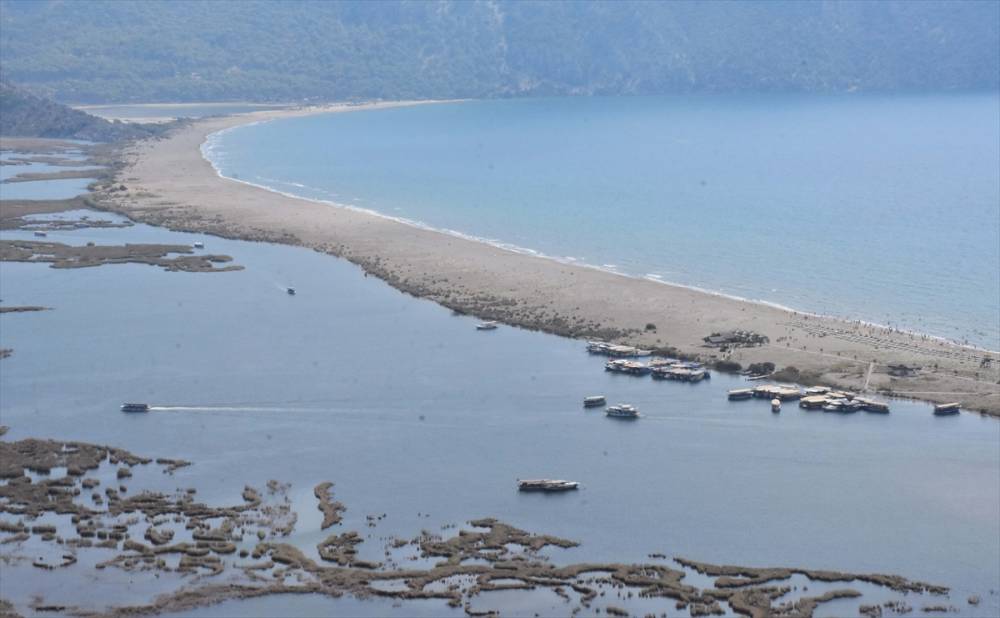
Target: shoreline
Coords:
[[170, 183], [608, 269]]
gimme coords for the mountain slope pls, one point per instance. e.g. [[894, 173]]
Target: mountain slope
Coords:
[[260, 50], [23, 114]]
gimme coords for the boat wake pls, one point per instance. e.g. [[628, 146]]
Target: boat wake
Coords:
[[231, 409]]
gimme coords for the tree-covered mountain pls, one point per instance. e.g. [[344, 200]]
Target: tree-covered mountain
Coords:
[[99, 51], [23, 114]]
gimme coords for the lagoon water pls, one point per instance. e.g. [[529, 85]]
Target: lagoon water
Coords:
[[415, 414], [867, 207], [41, 189]]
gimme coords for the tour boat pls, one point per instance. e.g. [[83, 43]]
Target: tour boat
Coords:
[[813, 402], [740, 394], [621, 365], [946, 409], [594, 401], [623, 410], [135, 407], [546, 485], [869, 405]]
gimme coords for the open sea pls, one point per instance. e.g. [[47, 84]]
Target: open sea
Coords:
[[880, 208]]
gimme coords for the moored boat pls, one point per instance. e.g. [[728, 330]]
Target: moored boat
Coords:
[[546, 485], [813, 402], [947, 409], [615, 350], [739, 394], [776, 391], [870, 405], [835, 405], [486, 326], [594, 401], [135, 407], [622, 410], [621, 365]]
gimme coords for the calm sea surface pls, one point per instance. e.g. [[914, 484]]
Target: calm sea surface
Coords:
[[414, 413], [878, 208]]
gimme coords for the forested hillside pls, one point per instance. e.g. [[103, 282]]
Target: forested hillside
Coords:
[[102, 51], [23, 114]]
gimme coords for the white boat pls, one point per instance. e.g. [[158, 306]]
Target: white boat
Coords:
[[546, 485], [199, 245], [135, 407], [486, 326], [594, 401], [617, 351], [622, 410], [775, 405], [621, 365]]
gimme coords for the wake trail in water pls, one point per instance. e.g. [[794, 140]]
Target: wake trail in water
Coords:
[[233, 409]]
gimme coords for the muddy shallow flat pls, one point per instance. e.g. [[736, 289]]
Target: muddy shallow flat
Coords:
[[185, 536], [58, 255]]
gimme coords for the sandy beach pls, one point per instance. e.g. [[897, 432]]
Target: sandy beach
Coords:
[[167, 182]]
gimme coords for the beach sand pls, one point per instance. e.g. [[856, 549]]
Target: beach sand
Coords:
[[167, 182]]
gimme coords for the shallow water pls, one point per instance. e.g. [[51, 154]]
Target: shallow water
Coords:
[[415, 414], [40, 189], [865, 207]]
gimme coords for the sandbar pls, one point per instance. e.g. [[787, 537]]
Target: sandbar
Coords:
[[166, 181]]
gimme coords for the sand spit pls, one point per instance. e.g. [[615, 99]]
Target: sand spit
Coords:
[[167, 182], [237, 551], [58, 255]]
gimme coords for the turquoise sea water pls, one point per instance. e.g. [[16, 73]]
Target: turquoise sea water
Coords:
[[885, 209]]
